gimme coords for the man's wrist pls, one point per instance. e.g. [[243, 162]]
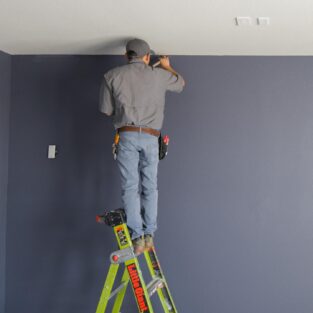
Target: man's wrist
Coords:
[[170, 69], [166, 67]]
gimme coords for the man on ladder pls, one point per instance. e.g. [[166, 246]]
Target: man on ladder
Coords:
[[134, 94]]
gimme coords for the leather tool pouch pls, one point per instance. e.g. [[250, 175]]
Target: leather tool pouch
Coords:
[[115, 145], [162, 148]]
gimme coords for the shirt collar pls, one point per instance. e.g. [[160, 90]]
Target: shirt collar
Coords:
[[136, 60]]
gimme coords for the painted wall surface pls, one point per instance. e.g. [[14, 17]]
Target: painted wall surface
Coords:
[[5, 88], [235, 191]]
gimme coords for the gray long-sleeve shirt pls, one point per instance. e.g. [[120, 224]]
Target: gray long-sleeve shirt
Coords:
[[134, 94]]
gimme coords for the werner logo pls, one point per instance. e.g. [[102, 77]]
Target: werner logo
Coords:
[[134, 277]]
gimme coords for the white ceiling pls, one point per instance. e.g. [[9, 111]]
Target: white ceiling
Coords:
[[174, 27]]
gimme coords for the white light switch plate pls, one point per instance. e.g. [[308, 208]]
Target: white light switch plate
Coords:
[[52, 152]]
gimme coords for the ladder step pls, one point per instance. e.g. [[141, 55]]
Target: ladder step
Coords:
[[154, 285], [115, 291]]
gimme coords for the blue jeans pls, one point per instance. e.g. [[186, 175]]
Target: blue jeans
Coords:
[[137, 159]]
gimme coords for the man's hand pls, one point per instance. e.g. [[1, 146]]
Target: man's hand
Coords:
[[165, 62]]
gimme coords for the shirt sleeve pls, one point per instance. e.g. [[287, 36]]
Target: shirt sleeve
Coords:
[[172, 82], [106, 101]]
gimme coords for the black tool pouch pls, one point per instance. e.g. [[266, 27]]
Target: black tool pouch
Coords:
[[162, 148]]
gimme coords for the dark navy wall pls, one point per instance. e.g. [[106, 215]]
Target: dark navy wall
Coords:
[[5, 88], [235, 203]]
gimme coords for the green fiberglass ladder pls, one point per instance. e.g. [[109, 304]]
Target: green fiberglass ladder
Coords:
[[125, 255]]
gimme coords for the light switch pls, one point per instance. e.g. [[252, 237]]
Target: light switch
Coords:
[[52, 150]]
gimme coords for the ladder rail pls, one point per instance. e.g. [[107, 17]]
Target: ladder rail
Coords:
[[121, 294], [106, 291], [156, 271], [132, 265]]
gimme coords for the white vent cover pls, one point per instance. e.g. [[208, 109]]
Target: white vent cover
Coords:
[[263, 21], [243, 20]]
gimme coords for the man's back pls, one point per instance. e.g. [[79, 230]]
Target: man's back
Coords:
[[138, 93]]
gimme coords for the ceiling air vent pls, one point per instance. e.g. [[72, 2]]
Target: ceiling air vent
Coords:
[[263, 21], [243, 20]]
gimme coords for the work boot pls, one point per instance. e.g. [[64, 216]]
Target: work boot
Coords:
[[148, 241], [139, 245]]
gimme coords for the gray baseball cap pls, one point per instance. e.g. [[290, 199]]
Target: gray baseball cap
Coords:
[[139, 46]]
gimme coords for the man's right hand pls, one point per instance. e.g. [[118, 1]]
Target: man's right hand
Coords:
[[165, 61], [165, 64]]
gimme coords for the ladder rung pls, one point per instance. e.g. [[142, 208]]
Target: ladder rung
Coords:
[[115, 291], [154, 285], [168, 304]]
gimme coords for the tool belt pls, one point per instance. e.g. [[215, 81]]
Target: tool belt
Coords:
[[147, 130], [163, 141]]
